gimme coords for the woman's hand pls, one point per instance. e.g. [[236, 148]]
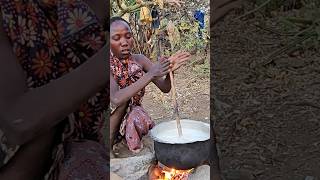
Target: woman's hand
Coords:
[[161, 68], [178, 59]]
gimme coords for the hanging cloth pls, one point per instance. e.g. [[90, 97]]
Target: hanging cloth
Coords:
[[155, 19], [145, 15], [199, 16]]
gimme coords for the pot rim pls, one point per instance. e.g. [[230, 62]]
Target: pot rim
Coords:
[[153, 131]]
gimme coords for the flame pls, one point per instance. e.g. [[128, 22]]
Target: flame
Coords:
[[173, 174]]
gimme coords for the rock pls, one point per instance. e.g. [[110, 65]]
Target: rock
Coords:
[[200, 173], [121, 149], [136, 168], [310, 178], [114, 176], [132, 168]]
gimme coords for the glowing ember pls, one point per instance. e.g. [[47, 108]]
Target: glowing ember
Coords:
[[173, 174], [176, 174]]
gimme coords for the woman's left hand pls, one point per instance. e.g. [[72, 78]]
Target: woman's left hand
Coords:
[[178, 59]]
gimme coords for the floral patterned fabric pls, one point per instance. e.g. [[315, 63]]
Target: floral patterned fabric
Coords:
[[125, 73], [50, 38], [136, 122]]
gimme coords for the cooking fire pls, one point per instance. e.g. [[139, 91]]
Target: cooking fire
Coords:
[[165, 173]]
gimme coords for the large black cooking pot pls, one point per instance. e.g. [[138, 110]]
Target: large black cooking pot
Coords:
[[185, 154]]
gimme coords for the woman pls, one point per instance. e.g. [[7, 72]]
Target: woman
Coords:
[[129, 75], [53, 74]]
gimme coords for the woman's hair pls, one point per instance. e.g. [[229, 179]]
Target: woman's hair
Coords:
[[117, 18]]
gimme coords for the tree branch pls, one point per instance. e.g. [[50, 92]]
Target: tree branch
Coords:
[[119, 5], [134, 7]]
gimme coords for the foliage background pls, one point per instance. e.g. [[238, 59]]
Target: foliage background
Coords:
[[186, 30]]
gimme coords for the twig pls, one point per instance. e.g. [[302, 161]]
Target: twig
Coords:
[[300, 20], [136, 31], [254, 10], [274, 31], [305, 103], [303, 31], [269, 58], [135, 40], [222, 11], [119, 5], [220, 3]]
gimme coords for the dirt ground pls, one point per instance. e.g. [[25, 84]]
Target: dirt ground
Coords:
[[266, 117], [193, 98]]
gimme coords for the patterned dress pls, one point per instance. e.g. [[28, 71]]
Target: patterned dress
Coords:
[[136, 122], [50, 38]]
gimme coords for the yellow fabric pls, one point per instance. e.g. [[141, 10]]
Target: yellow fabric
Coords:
[[145, 15]]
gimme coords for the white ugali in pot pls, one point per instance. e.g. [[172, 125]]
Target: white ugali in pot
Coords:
[[186, 152]]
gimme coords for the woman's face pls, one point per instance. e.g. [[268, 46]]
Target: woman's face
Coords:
[[121, 39]]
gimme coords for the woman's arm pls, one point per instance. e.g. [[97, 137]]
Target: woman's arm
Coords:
[[120, 96], [31, 161], [24, 114], [176, 61], [163, 83]]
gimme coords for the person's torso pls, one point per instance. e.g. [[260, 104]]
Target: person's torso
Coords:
[[50, 40], [127, 72]]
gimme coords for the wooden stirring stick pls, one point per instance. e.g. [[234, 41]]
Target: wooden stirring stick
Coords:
[[173, 90], [175, 104]]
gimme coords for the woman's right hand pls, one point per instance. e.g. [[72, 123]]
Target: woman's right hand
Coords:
[[178, 59], [161, 68]]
